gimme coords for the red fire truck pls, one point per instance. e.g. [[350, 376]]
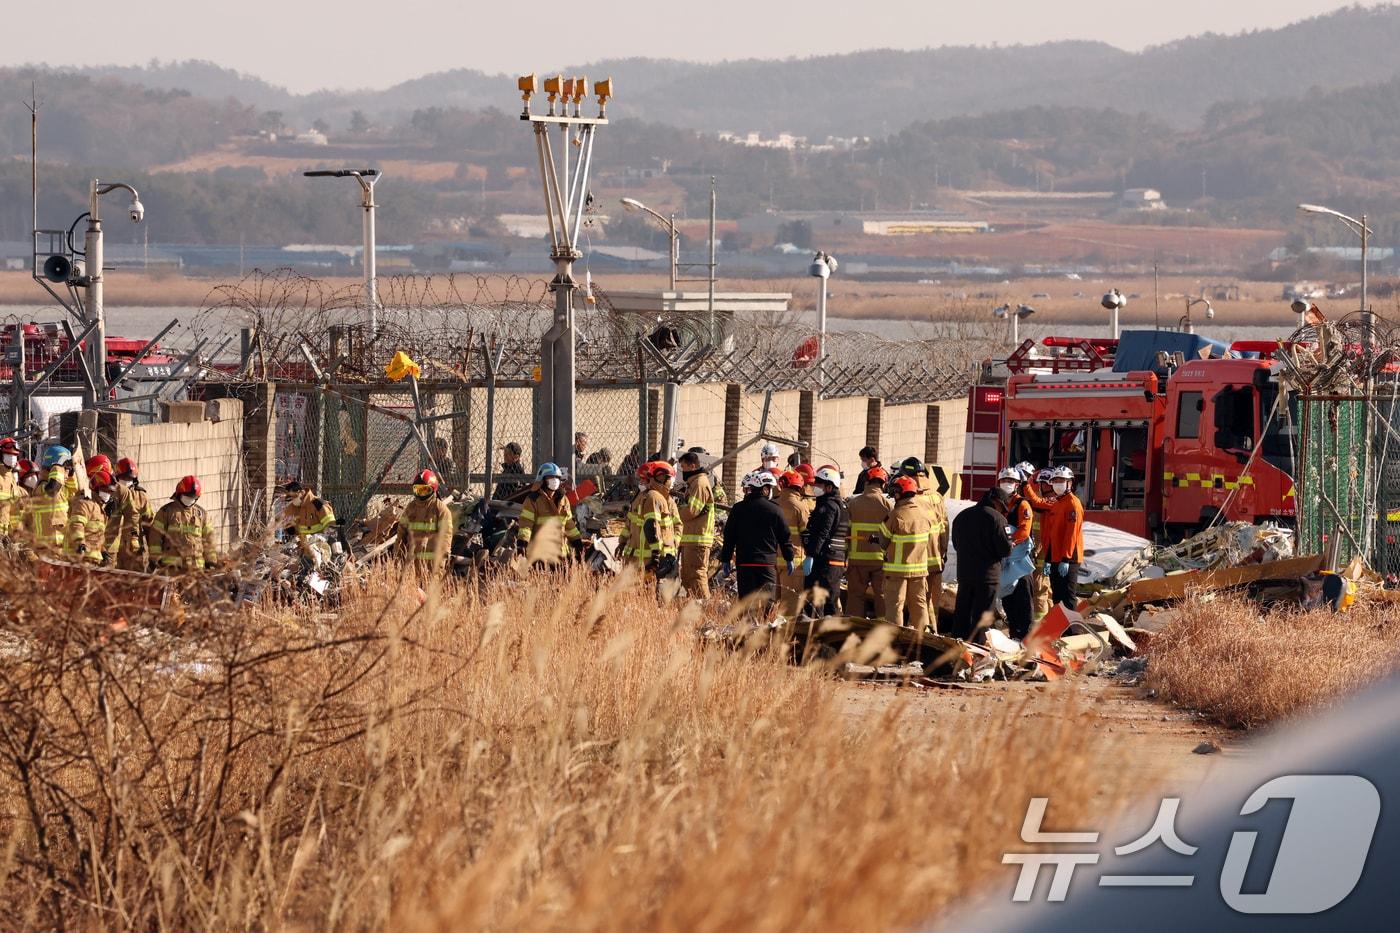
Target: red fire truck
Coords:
[[1158, 452]]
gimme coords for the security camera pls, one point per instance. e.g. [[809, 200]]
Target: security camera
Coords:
[[138, 210], [1299, 306], [1113, 299]]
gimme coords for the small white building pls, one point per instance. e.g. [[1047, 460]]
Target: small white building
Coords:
[[1143, 199]]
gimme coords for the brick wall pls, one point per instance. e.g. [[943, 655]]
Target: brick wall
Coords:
[[903, 433], [839, 432]]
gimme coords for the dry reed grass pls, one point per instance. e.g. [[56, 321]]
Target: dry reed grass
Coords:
[[538, 753], [1248, 668]]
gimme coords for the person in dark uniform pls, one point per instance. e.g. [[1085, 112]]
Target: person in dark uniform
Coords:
[[981, 543], [825, 540], [756, 533]]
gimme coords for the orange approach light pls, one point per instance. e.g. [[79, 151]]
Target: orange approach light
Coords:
[[604, 90], [527, 85], [580, 88]]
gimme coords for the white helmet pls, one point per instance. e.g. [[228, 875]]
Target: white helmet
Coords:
[[1062, 472], [1011, 473], [758, 479], [1026, 469], [1044, 475], [769, 451], [830, 475]]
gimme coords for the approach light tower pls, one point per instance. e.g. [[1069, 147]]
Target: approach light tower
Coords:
[[565, 194]]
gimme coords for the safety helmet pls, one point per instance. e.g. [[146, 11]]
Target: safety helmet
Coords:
[[98, 463], [126, 467], [1062, 472], [791, 479], [425, 478], [100, 479], [1043, 476], [1026, 469], [56, 456], [807, 472], [769, 451], [1011, 473], [829, 474], [547, 470], [906, 485], [26, 469], [8, 446], [189, 486], [877, 475], [758, 479], [912, 466], [660, 469]]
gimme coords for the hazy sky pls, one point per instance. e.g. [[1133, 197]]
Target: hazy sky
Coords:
[[355, 43]]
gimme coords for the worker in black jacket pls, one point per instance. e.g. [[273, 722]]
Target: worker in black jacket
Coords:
[[869, 460], [981, 541], [824, 542], [756, 533]]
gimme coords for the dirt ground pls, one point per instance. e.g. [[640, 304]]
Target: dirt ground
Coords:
[[1145, 736]]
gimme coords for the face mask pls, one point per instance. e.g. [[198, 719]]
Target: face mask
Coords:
[[104, 496], [30, 482], [124, 483], [187, 501], [1060, 488], [552, 483], [1008, 488], [770, 464], [11, 460], [818, 491]]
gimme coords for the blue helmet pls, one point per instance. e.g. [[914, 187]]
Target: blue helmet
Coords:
[[547, 470], [57, 456]]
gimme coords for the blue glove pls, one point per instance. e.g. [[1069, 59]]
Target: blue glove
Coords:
[[1062, 568], [806, 566], [726, 568], [790, 568]]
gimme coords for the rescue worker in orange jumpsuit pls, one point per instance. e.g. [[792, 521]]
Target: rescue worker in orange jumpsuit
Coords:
[[181, 535], [865, 555], [547, 519], [1020, 517], [425, 526], [909, 538], [1064, 538], [1036, 492], [796, 509], [129, 517]]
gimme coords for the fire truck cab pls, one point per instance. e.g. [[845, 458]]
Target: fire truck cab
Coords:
[[1155, 452]]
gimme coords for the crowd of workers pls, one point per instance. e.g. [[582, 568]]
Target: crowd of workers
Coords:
[[795, 537], [110, 523]]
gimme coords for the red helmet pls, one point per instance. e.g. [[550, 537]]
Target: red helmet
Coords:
[[906, 485], [8, 446], [791, 479], [426, 478], [26, 468], [806, 471], [660, 468], [877, 474], [97, 463], [189, 486], [126, 467], [100, 479]]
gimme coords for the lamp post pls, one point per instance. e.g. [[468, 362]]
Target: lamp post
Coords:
[[1115, 302], [565, 200], [92, 246], [822, 268], [1016, 316], [368, 178], [1185, 322], [632, 204], [1357, 226]]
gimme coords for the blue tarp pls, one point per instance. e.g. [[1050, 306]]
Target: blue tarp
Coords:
[[1137, 349]]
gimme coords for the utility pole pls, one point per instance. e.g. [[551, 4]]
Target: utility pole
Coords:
[[565, 196], [96, 393], [713, 333], [368, 178]]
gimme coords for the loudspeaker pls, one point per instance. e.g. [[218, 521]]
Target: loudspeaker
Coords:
[[57, 268]]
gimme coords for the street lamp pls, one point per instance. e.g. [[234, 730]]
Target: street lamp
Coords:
[[632, 204], [92, 246], [1360, 229], [1185, 322], [1021, 311], [822, 268], [1115, 302], [368, 178]]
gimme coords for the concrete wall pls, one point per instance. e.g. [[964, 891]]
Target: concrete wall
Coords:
[[211, 450], [945, 446], [838, 432], [903, 432]]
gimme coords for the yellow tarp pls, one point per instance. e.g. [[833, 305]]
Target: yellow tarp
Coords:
[[400, 366]]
